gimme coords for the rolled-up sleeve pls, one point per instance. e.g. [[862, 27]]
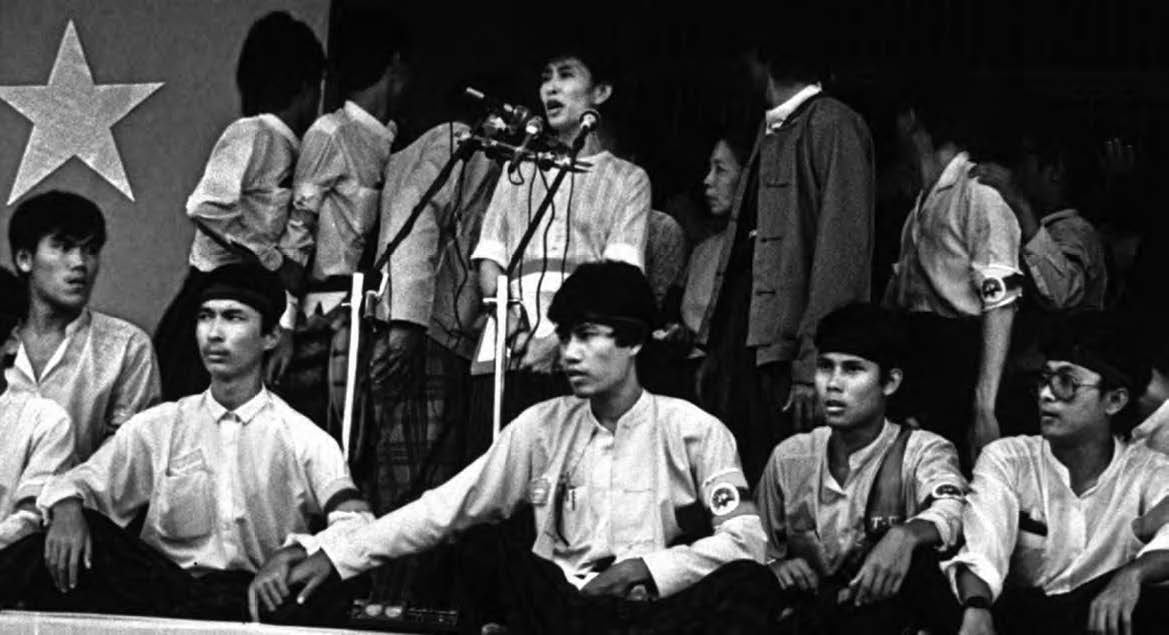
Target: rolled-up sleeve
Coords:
[[940, 487], [495, 239], [318, 168], [990, 522], [630, 224], [992, 239]]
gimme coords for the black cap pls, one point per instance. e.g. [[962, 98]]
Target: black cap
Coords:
[[250, 284]]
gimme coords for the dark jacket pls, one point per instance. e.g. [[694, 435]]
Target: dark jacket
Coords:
[[814, 235]]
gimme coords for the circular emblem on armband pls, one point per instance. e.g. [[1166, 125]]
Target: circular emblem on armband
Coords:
[[993, 290], [946, 490], [723, 499]]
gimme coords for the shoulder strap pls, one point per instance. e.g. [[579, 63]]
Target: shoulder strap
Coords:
[[886, 504]]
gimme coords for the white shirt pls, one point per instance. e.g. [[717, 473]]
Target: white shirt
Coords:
[[959, 248], [38, 443], [808, 514], [617, 494], [336, 191], [1020, 489], [224, 489], [245, 192], [102, 373], [1154, 431]]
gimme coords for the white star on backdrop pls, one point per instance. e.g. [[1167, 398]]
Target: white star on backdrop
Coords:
[[72, 118]]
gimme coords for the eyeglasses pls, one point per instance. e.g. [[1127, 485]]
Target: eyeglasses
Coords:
[[1064, 385]]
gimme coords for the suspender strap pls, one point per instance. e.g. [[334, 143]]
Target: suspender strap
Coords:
[[886, 504]]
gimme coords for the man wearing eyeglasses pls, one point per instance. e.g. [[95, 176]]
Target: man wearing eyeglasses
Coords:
[[1054, 534], [635, 497]]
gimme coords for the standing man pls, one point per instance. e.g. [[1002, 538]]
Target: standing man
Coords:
[[797, 246], [101, 369]]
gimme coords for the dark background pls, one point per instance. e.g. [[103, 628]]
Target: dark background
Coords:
[[1099, 66]]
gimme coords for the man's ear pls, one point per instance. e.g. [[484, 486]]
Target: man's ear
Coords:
[[23, 260], [892, 382], [271, 338], [601, 93], [1115, 400]]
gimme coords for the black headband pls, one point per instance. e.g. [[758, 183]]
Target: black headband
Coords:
[[251, 297]]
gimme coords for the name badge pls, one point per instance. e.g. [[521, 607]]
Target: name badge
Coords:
[[538, 490]]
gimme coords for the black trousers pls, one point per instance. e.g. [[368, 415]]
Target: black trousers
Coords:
[[1031, 611], [923, 602], [500, 579], [128, 577]]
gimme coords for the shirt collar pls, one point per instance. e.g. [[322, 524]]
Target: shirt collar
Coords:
[[386, 131], [1158, 419], [867, 454], [956, 168], [277, 124], [636, 414], [246, 412], [1065, 477], [778, 115], [1057, 216]]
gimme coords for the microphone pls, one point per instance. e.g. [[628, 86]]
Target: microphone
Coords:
[[533, 128], [513, 113], [589, 120]]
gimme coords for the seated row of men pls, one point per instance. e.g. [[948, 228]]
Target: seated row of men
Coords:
[[250, 510]]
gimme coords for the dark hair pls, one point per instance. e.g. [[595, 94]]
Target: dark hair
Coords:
[[250, 284], [865, 330], [1105, 343], [588, 45], [279, 57], [802, 53], [365, 46], [613, 293], [13, 300], [739, 139], [56, 213]]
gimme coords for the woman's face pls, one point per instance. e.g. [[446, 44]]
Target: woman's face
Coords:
[[722, 179]]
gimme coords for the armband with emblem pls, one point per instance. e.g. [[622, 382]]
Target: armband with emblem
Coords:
[[724, 499], [946, 491], [995, 288]]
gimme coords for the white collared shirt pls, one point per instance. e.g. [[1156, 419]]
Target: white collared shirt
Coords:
[[617, 494], [38, 443], [102, 373], [959, 248], [336, 190], [778, 115], [245, 192], [808, 514], [1020, 490], [224, 489]]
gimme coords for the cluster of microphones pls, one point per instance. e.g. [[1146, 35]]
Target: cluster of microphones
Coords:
[[516, 134]]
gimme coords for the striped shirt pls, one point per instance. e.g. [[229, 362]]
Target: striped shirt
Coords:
[[102, 373], [601, 214], [244, 194], [223, 489], [959, 248], [336, 188]]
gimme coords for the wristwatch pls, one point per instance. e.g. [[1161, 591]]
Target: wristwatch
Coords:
[[977, 602]]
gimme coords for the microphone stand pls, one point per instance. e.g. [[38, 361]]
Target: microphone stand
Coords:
[[502, 298]]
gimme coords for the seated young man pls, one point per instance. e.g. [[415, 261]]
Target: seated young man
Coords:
[[225, 476], [634, 495], [38, 444], [1051, 542], [101, 369], [854, 510]]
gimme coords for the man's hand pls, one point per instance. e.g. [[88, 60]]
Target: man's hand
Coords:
[[270, 586], [67, 544], [312, 572], [675, 333], [804, 406], [619, 579], [795, 573], [1111, 610], [280, 357], [542, 354], [984, 430], [977, 622], [395, 356], [885, 567]]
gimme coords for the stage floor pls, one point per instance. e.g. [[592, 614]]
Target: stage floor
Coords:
[[94, 624]]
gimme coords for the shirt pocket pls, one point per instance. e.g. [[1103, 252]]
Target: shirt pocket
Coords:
[[185, 506]]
